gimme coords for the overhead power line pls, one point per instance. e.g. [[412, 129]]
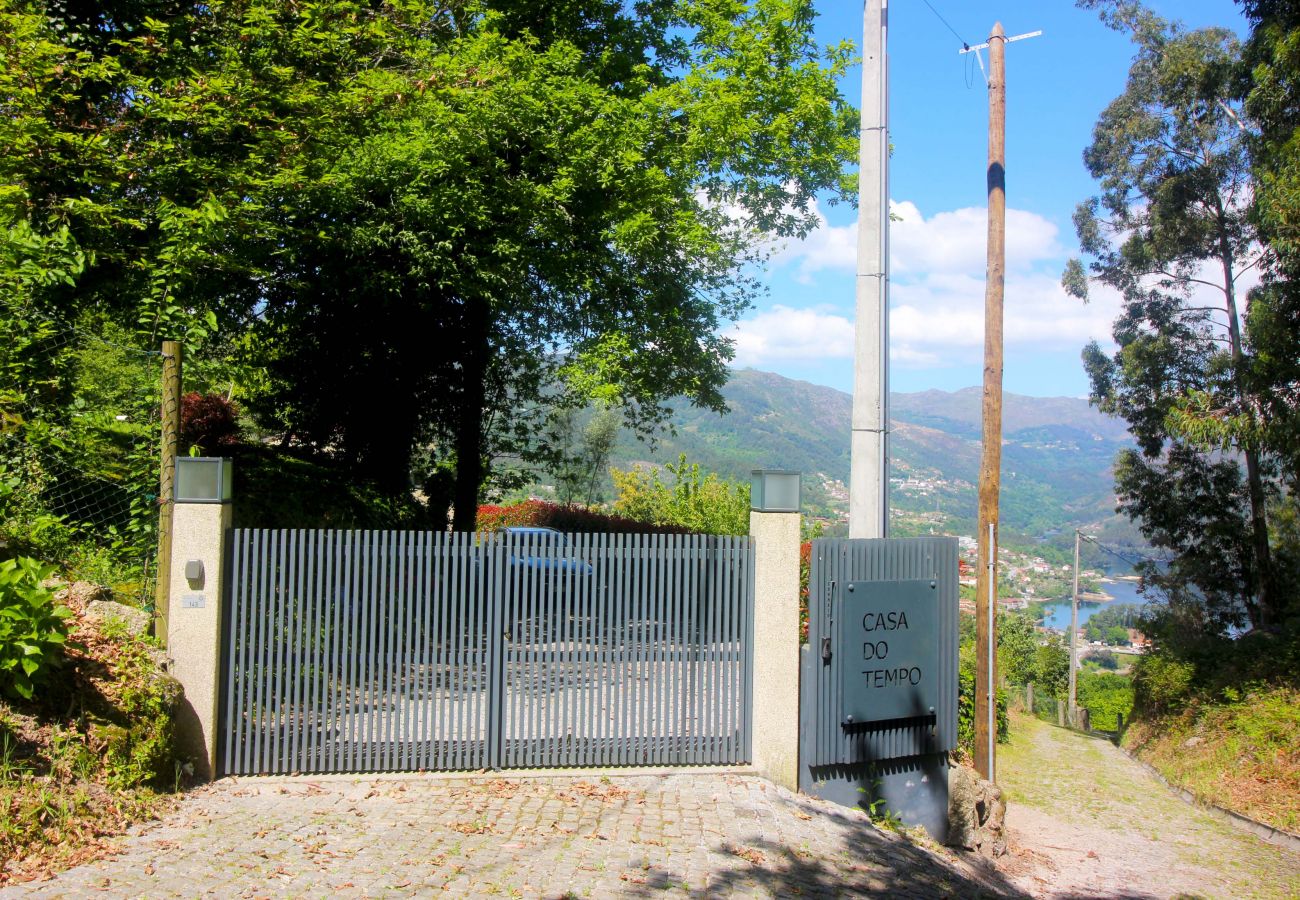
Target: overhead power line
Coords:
[[946, 25], [1140, 557]]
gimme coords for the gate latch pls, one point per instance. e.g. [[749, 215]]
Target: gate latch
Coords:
[[826, 649]]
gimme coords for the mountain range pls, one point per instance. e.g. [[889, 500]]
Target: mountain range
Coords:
[[1056, 458]]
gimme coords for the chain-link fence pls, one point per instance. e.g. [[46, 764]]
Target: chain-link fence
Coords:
[[79, 448]]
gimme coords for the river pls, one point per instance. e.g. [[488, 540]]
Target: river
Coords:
[[1057, 614]]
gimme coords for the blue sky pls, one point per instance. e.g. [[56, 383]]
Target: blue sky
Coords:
[[1057, 84]]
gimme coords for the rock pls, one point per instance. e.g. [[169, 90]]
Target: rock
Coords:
[[80, 594], [976, 813], [1193, 742], [102, 612]]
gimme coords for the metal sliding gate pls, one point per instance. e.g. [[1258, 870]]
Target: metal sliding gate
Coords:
[[358, 651]]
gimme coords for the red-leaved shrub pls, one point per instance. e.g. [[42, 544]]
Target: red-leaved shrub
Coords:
[[209, 422], [573, 519]]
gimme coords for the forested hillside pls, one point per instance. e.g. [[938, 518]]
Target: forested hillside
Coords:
[[1056, 461]]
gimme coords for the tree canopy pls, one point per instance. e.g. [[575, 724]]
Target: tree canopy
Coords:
[[420, 225], [1172, 231]]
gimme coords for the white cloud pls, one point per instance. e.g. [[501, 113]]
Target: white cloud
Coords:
[[782, 333], [936, 294], [952, 241]]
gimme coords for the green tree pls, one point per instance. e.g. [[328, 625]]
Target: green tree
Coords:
[[1017, 647], [563, 229], [1052, 667], [1171, 232]]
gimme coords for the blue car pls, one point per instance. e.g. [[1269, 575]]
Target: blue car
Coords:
[[545, 549]]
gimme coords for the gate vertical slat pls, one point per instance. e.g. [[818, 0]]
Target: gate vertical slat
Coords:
[[233, 664], [654, 643], [351, 651], [580, 613], [637, 706], [493, 594], [714, 612], [464, 628], [355, 705], [746, 601], [278, 598], [308, 662], [332, 681], [410, 694], [672, 674], [294, 720], [596, 608], [369, 743], [528, 694], [444, 649], [667, 682], [287, 721], [398, 694], [265, 650], [478, 649], [690, 609], [517, 600], [424, 624], [383, 710], [652, 594], [737, 665], [319, 654]]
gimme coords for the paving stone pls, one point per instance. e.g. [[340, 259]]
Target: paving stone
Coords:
[[688, 834]]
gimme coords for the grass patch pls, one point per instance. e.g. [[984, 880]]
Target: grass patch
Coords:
[[1241, 753]]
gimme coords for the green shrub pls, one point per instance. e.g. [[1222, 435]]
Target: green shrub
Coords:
[[966, 705], [1162, 684], [1106, 696], [32, 628], [697, 501]]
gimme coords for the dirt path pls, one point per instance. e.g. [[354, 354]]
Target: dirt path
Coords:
[[1100, 826]]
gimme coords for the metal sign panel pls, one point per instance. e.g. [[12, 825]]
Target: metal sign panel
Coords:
[[889, 641]]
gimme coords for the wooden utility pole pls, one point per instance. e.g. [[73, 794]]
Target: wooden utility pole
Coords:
[[986, 586], [171, 431], [991, 453], [1071, 709]]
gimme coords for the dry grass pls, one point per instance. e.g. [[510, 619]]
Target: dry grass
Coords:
[[71, 765], [1242, 754]]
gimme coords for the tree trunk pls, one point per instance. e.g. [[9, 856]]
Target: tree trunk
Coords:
[[469, 425], [1254, 481]]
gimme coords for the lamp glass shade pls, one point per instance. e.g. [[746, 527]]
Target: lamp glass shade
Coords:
[[203, 479], [774, 490]]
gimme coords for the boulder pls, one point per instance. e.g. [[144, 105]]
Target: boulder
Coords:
[[80, 594], [976, 813], [102, 612]]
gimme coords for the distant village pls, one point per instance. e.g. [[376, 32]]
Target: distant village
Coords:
[[1025, 579]]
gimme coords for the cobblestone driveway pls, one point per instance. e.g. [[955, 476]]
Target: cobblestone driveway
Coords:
[[683, 834]]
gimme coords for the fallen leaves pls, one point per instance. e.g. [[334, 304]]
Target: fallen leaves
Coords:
[[749, 854]]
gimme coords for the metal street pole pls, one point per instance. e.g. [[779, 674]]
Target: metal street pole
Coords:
[[869, 459], [1072, 702]]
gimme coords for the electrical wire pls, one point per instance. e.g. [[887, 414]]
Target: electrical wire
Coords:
[[1141, 557], [964, 44]]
